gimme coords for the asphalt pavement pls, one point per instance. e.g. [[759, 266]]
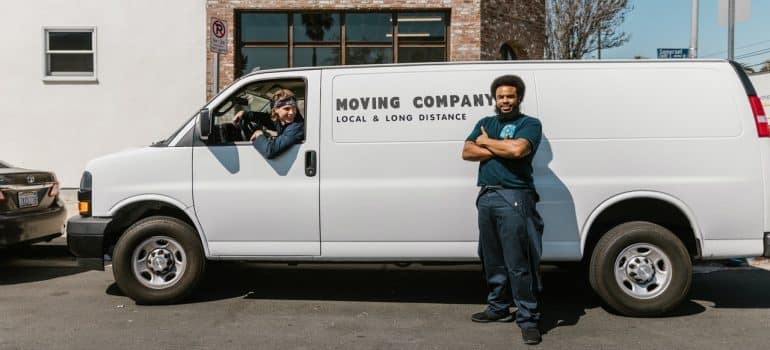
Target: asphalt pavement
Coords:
[[47, 302]]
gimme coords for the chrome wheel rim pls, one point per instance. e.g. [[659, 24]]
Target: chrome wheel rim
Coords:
[[643, 271], [158, 262]]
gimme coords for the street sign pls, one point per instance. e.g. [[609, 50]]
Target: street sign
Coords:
[[742, 9], [218, 36], [673, 53]]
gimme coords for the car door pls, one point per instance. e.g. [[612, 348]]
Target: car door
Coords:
[[248, 205]]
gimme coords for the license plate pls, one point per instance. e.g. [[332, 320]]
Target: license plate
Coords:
[[27, 199]]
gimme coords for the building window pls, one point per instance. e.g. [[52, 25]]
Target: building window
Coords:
[[70, 53], [282, 39], [316, 39], [507, 53]]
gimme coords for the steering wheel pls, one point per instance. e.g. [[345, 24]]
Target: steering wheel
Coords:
[[251, 122]]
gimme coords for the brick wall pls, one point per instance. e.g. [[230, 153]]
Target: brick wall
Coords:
[[468, 40], [516, 23]]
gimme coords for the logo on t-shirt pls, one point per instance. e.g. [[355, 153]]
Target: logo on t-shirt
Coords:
[[508, 132]]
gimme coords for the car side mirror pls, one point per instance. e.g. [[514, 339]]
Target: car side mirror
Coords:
[[205, 123]]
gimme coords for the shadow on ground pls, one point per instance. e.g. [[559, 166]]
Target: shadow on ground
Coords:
[[565, 299], [34, 263]]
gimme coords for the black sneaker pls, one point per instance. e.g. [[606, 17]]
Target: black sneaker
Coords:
[[531, 336], [488, 316]]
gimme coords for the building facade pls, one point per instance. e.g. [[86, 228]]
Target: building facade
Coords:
[[83, 81], [299, 33]]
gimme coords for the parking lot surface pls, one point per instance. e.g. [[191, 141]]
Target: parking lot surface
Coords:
[[47, 302]]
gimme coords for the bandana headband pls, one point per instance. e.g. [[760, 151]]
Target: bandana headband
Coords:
[[287, 101]]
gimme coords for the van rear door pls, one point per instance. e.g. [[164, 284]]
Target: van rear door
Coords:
[[762, 132]]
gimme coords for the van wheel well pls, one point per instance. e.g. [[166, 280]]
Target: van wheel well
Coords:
[[643, 209], [134, 212]]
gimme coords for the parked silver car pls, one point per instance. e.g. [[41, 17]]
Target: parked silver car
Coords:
[[30, 208]]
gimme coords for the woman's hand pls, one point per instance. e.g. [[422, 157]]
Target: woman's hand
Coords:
[[238, 116], [255, 135]]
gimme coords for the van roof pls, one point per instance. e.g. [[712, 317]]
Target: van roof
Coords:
[[454, 63]]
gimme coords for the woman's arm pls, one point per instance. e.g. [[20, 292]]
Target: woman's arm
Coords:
[[293, 134]]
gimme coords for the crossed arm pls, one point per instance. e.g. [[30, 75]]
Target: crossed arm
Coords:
[[485, 148]]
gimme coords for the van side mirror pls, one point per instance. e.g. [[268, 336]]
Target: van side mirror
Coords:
[[205, 124]]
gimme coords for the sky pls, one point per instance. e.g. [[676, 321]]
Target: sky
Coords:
[[656, 24]]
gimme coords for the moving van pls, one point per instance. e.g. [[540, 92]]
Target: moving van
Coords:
[[644, 167]]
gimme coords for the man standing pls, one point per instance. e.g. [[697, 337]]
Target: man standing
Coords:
[[510, 228]]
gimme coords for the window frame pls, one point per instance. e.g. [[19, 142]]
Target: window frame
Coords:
[[273, 80], [48, 75], [342, 44]]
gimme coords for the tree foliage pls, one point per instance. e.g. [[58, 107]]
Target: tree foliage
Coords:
[[765, 66], [747, 68], [573, 27]]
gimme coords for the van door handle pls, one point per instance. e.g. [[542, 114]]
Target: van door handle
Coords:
[[311, 163]]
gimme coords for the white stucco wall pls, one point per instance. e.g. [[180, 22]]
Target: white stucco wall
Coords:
[[151, 73]]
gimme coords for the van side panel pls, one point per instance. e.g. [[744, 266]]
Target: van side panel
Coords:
[[397, 178], [403, 180], [677, 129]]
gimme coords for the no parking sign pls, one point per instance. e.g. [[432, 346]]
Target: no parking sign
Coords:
[[218, 36]]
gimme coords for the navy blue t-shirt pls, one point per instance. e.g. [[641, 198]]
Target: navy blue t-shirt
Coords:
[[508, 173]]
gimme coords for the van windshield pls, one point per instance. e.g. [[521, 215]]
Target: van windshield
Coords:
[[164, 143]]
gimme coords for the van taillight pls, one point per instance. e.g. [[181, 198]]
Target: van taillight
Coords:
[[759, 116]]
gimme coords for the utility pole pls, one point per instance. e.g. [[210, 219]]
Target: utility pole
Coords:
[[731, 30], [693, 52]]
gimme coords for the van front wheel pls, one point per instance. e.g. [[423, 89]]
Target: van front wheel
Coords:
[[158, 260], [640, 269]]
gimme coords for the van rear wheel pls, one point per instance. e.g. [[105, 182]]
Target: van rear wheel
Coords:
[[640, 269], [158, 260]]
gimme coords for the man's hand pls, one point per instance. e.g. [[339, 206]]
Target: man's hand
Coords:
[[508, 148], [255, 135], [483, 139], [475, 153]]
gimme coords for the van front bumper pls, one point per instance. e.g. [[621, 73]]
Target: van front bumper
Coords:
[[85, 239]]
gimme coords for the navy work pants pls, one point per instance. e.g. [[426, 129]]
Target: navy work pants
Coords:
[[510, 245]]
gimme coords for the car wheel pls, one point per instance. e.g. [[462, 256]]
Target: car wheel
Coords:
[[640, 269], [158, 260]]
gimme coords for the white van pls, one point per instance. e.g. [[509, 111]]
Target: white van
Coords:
[[644, 167]]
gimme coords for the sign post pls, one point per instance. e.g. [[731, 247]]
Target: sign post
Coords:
[[218, 45], [730, 12]]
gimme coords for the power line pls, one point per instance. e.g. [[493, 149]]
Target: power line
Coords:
[[757, 64], [754, 53], [737, 48]]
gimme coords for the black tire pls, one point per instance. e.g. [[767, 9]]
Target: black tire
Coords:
[[619, 294], [176, 234]]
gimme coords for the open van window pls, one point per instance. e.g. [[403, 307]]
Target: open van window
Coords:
[[254, 98]]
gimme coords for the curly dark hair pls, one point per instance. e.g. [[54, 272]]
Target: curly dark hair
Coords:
[[509, 80]]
